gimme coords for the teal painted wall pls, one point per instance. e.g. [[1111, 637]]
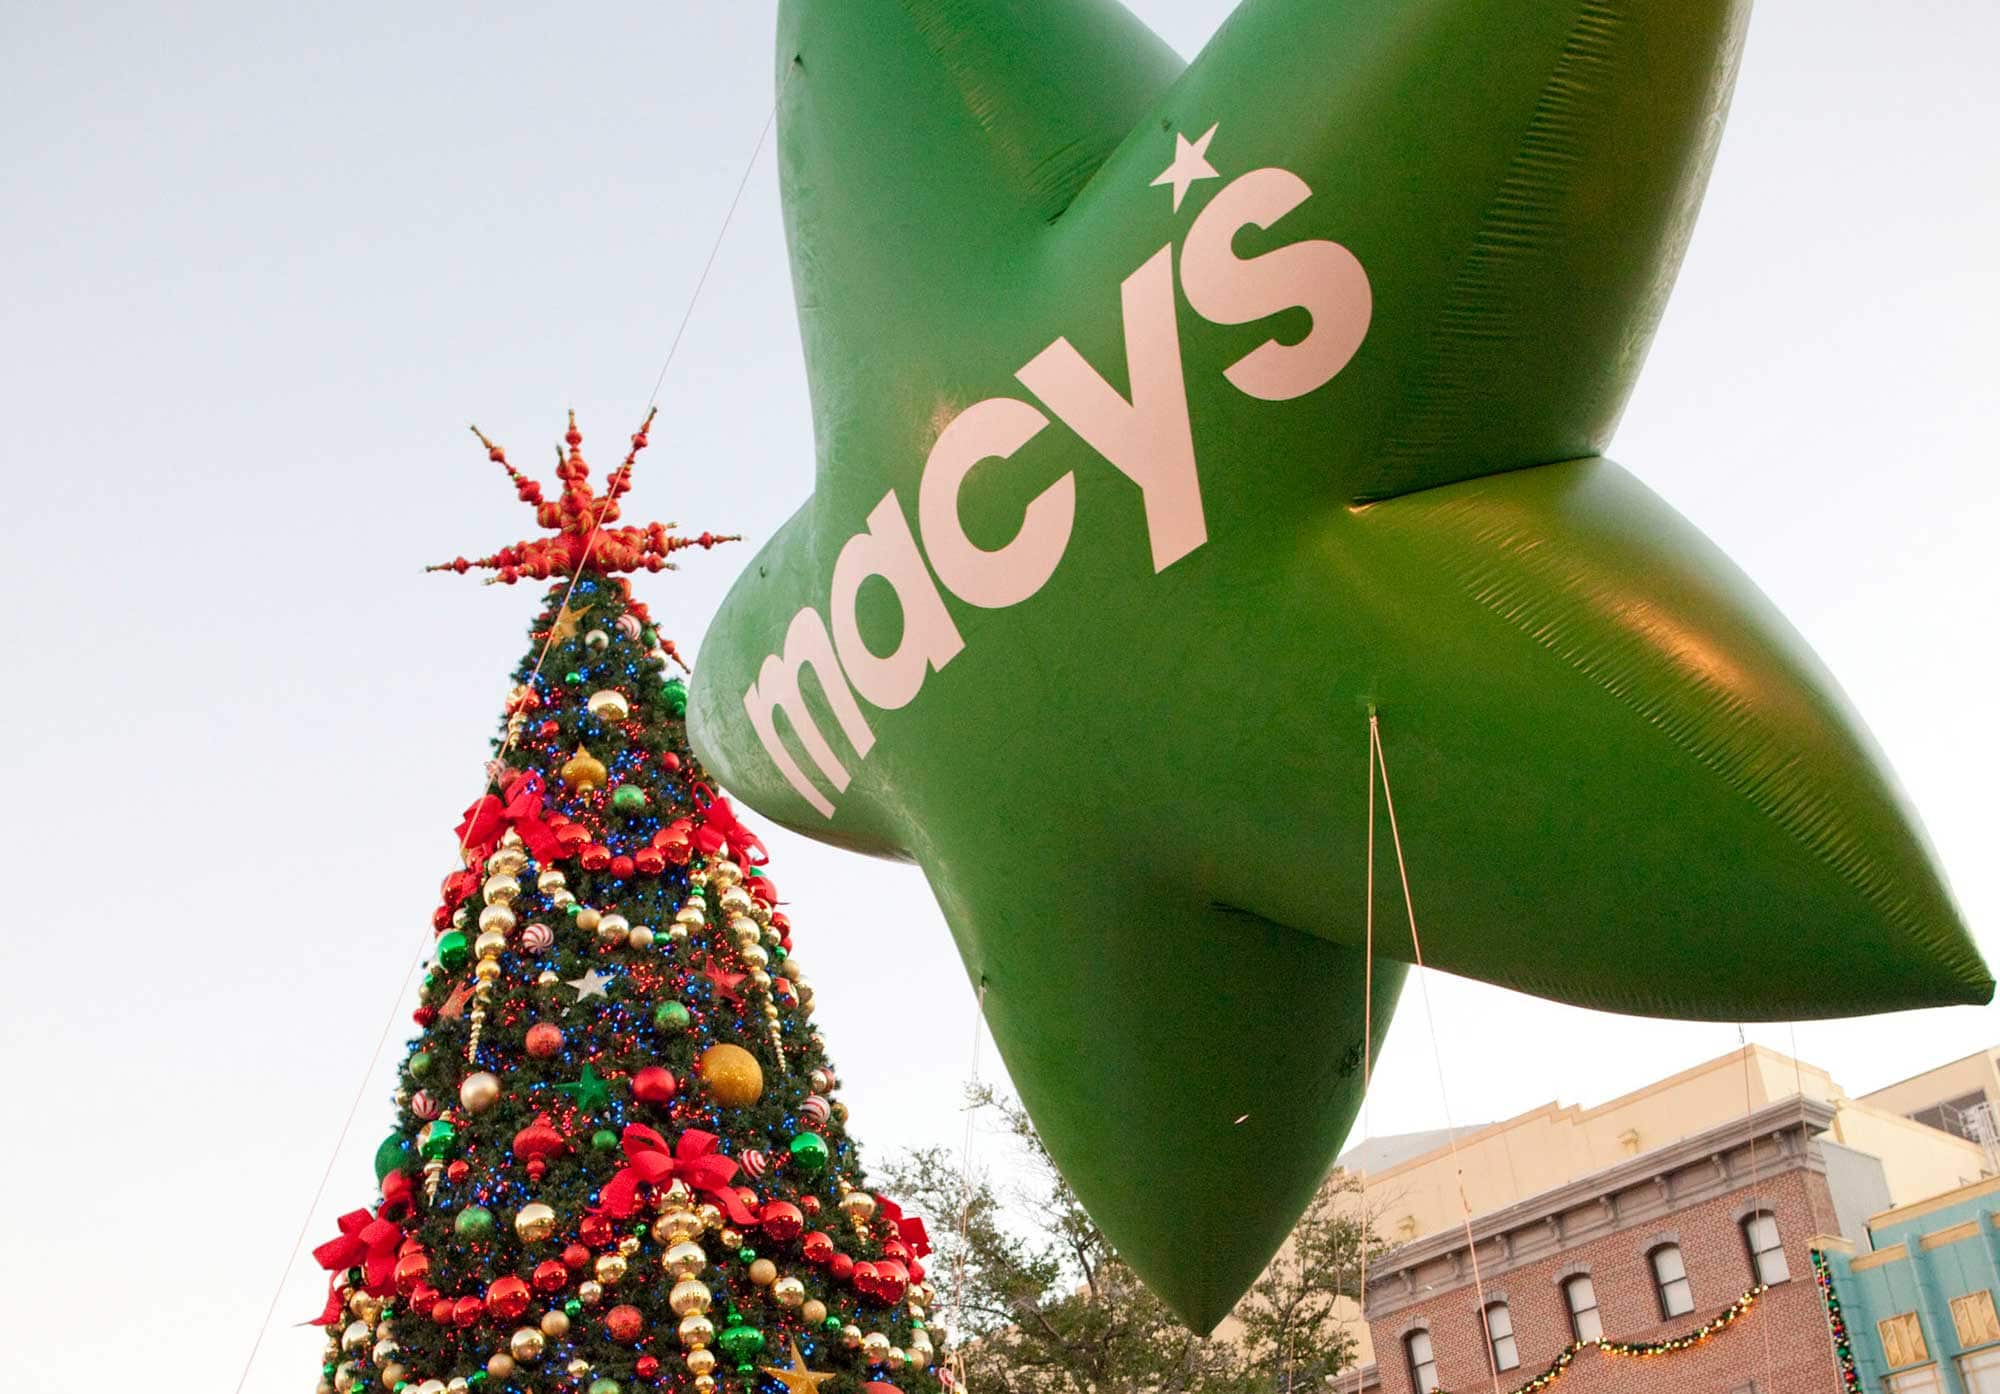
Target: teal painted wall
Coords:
[[1925, 1281]]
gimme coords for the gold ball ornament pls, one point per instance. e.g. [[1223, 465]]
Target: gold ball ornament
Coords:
[[490, 943], [857, 1205], [498, 917], [629, 1245], [500, 890], [499, 1365], [813, 1313], [590, 1292], [850, 1336], [732, 1075], [480, 1091], [690, 915], [704, 1384], [548, 977], [722, 874], [788, 1292], [685, 1260], [896, 1358], [527, 1344], [508, 861], [555, 1323], [763, 1272], [689, 1298], [640, 938], [577, 1368], [736, 901], [357, 1336], [551, 880], [393, 1374], [487, 970], [612, 929], [875, 1348], [583, 771], [610, 1268], [754, 955], [535, 1222], [701, 1362], [676, 1227], [710, 1215], [696, 1331], [607, 704], [587, 918]]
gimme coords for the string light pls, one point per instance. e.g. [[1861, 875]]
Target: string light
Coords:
[[1645, 1350]]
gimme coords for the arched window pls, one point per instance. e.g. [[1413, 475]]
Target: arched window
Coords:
[[1423, 1366], [1580, 1296], [1670, 1281], [1500, 1336], [1767, 1251]]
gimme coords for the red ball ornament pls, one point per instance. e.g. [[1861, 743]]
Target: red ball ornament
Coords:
[[441, 918], [550, 1276], [863, 1278], [783, 1221], [810, 1204], [424, 1016], [411, 1270], [916, 1270], [547, 729], [623, 1323], [671, 760], [467, 1311], [654, 1085], [442, 1310], [595, 856], [575, 1256], [896, 1250], [570, 836], [537, 1169], [892, 1280], [458, 1170], [819, 1247], [545, 1038], [597, 1231], [423, 1297], [649, 861], [841, 1267], [646, 1366], [507, 1298]]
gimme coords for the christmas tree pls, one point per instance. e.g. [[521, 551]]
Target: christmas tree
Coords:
[[618, 1162]]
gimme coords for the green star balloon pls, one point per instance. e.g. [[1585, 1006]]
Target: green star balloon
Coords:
[[1174, 418]]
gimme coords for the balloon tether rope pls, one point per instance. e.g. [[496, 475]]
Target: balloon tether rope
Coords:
[[1437, 1054], [1757, 1189], [590, 544], [955, 1327], [1367, 1042]]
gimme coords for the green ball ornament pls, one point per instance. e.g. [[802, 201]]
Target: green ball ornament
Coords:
[[573, 1308], [453, 952], [672, 1016], [604, 1140], [746, 1254], [676, 694], [835, 1323], [474, 1222], [393, 1155], [604, 1386], [572, 677], [628, 798], [648, 638], [741, 1343], [420, 1063], [436, 1139], [809, 1152]]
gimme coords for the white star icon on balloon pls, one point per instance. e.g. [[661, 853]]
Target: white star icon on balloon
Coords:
[[1190, 163]]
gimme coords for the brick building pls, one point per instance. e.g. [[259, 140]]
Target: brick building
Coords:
[[1645, 1250]]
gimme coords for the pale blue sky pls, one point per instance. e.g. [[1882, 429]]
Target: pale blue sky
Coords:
[[261, 265]]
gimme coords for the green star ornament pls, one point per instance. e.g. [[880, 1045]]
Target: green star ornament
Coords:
[[590, 1091], [1171, 419]]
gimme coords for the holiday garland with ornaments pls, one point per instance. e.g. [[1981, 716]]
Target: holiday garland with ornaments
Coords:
[[619, 1163], [1644, 1350]]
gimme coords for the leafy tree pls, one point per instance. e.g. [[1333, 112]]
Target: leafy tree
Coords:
[[1046, 1306]]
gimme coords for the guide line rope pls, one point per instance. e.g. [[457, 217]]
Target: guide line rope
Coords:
[[1367, 1042], [956, 1327], [1757, 1193], [612, 489], [1437, 1053]]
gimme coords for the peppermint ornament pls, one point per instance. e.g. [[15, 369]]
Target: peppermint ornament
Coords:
[[815, 1110], [538, 938], [754, 1163], [423, 1105]]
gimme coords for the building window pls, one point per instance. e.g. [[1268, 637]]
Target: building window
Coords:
[[1423, 1368], [1767, 1251], [1580, 1296], [1903, 1341], [1919, 1381], [1500, 1336], [1670, 1279], [1980, 1371], [1973, 1315]]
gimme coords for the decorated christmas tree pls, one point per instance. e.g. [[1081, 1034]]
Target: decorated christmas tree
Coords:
[[619, 1162]]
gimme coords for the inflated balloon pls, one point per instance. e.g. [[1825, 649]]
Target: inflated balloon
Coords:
[[1173, 419]]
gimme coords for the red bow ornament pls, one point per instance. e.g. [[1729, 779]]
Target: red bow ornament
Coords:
[[720, 830], [693, 1161], [368, 1242], [909, 1228], [519, 809]]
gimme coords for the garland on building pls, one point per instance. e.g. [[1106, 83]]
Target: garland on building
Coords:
[[1644, 1350], [1843, 1346]]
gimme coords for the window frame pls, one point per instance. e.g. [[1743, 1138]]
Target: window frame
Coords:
[[1575, 1313], [1661, 1283], [1904, 1381], [1982, 1360], [1415, 1366], [1744, 1227], [1513, 1360]]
